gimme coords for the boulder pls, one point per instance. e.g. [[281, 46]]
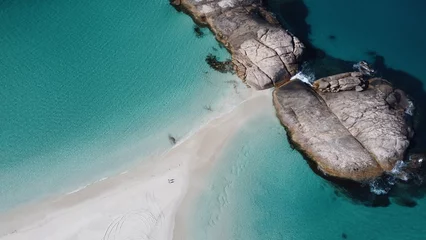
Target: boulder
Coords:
[[350, 134]]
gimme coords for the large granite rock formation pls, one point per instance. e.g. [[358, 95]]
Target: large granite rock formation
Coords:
[[262, 52], [351, 127]]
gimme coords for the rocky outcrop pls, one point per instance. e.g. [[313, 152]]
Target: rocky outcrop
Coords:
[[341, 82], [350, 133], [262, 52]]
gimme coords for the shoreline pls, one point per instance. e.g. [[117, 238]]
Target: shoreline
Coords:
[[137, 150], [147, 196], [200, 170]]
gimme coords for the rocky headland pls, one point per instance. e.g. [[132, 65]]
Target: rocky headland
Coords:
[[352, 125], [263, 53]]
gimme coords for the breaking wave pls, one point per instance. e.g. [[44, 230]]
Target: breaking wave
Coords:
[[306, 75], [410, 109], [402, 171]]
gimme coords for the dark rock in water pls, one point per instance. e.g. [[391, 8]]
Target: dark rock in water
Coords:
[[371, 53], [344, 236], [198, 32], [172, 139], [416, 161], [223, 67], [405, 202], [262, 52], [342, 129], [365, 68]]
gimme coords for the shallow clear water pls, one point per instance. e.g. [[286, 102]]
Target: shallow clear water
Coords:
[[90, 86], [262, 189]]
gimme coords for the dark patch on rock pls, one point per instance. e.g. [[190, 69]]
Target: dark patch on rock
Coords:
[[344, 236], [220, 66], [263, 14], [331, 37]]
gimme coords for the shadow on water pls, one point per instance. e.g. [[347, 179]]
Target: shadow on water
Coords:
[[292, 14]]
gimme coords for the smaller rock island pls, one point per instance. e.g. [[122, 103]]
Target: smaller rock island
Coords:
[[351, 125], [263, 53]]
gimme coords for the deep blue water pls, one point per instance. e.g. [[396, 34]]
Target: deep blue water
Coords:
[[391, 28]]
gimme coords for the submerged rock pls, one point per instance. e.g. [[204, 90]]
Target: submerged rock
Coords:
[[350, 134], [262, 52], [220, 66], [198, 32]]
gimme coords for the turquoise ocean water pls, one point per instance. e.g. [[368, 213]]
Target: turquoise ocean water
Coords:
[[89, 87]]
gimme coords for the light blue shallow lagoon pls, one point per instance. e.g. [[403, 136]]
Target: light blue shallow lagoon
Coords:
[[89, 87], [263, 189]]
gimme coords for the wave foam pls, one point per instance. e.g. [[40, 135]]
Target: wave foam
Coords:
[[306, 75], [379, 187], [410, 109], [85, 186]]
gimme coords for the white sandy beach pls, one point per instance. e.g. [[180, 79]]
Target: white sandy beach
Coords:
[[148, 202]]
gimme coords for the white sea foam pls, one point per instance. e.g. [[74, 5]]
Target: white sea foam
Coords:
[[306, 75], [410, 109], [398, 171], [379, 187], [85, 186]]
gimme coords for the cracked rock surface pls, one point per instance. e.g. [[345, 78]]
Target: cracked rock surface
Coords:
[[350, 134], [263, 52]]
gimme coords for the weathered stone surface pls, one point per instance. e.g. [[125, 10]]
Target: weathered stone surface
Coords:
[[341, 82], [263, 53], [377, 125], [319, 133], [350, 134]]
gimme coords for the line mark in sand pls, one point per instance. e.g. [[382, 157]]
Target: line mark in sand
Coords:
[[137, 224]]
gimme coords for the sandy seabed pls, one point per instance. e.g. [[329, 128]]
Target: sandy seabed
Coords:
[[150, 201]]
